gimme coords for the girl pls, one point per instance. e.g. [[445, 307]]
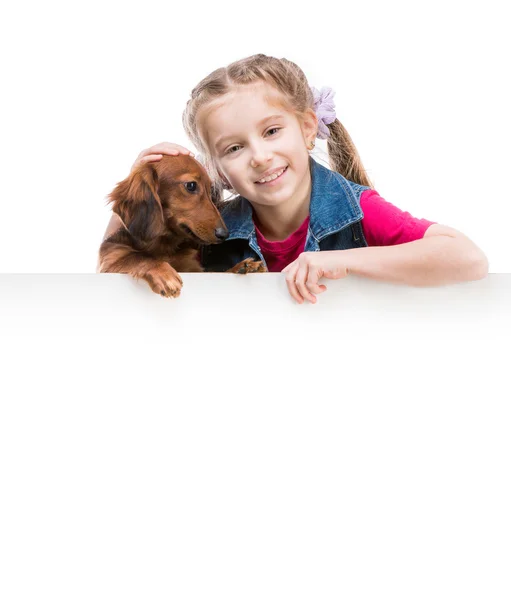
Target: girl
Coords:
[[254, 122]]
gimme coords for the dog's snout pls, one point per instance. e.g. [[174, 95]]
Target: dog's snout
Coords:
[[221, 233]]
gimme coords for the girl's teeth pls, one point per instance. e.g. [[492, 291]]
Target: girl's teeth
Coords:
[[272, 177]]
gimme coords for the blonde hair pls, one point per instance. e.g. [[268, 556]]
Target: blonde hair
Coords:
[[288, 79]]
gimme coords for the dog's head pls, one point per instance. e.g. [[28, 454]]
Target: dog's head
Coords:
[[170, 197]]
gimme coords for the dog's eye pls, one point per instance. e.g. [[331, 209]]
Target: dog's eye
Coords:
[[191, 186]]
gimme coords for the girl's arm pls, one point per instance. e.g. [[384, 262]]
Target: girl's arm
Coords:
[[444, 255]]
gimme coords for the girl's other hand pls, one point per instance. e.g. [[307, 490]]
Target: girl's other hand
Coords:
[[154, 153], [304, 273]]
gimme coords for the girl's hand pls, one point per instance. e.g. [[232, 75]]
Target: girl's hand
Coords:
[[303, 274], [154, 153]]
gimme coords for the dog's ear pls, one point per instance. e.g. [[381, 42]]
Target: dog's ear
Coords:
[[137, 202]]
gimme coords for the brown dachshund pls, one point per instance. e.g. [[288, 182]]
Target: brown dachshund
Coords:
[[167, 211]]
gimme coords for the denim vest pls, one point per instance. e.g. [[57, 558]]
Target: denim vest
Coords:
[[335, 221]]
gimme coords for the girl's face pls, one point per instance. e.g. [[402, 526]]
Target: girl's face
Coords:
[[248, 137]]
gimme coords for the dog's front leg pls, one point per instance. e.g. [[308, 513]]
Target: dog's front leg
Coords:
[[161, 277]]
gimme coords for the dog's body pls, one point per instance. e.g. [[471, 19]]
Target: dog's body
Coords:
[[167, 212]]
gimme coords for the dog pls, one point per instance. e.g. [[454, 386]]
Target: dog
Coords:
[[168, 210]]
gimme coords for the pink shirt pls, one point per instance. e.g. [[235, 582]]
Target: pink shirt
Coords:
[[383, 225]]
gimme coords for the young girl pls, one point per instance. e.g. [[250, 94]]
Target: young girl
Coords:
[[254, 123]]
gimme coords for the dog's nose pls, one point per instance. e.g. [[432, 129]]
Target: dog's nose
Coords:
[[221, 233]]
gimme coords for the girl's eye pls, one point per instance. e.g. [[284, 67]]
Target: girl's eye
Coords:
[[229, 151], [191, 186]]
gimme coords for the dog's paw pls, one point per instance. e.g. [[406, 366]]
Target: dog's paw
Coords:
[[249, 265], [164, 280]]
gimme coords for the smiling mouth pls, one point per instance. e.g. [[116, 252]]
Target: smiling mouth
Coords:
[[272, 180]]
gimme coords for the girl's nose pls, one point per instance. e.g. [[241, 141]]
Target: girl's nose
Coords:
[[260, 156]]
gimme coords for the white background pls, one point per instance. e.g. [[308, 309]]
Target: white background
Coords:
[[231, 443], [423, 92]]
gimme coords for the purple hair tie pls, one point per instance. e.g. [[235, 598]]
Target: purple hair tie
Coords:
[[324, 108]]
